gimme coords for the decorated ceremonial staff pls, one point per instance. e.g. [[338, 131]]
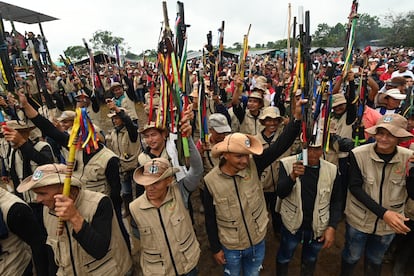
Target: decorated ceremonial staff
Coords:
[[96, 79], [304, 78], [82, 137], [173, 82], [243, 57]]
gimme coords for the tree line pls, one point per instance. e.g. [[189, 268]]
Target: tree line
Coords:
[[392, 30]]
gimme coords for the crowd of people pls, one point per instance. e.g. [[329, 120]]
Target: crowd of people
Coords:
[[251, 169]]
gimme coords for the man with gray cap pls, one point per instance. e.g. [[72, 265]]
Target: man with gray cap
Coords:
[[378, 190], [90, 242], [218, 127], [169, 245]]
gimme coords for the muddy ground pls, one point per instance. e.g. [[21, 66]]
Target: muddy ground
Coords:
[[328, 263]]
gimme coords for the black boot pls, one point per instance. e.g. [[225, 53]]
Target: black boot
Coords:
[[347, 269], [371, 269], [127, 199], [282, 269], [307, 268]]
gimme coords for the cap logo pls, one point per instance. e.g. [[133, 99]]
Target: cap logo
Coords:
[[37, 175], [247, 143], [387, 119], [153, 169]]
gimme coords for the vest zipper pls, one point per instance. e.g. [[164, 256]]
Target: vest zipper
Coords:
[[166, 239], [380, 195], [241, 210], [72, 260]]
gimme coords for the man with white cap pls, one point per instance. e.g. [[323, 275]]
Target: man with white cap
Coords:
[[378, 190], [168, 244], [91, 242], [392, 101], [235, 207], [311, 207]]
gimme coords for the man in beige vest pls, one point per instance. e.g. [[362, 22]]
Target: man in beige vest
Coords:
[[90, 242], [311, 201], [235, 207], [377, 194], [20, 238], [169, 245]]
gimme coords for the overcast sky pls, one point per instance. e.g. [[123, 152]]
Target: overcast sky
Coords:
[[139, 21]]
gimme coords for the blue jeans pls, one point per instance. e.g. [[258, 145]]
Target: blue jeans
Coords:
[[248, 260], [357, 242], [193, 272], [289, 242]]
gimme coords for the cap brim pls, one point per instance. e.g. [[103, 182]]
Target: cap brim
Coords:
[[222, 129]]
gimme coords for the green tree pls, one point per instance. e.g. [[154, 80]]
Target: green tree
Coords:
[[400, 31], [75, 52], [270, 44], [321, 36], [368, 28], [237, 45], [104, 41], [281, 44]]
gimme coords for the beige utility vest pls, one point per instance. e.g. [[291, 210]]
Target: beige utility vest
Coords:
[[144, 158], [126, 150], [117, 260], [54, 87], [67, 85], [230, 193], [343, 130], [16, 253], [92, 175], [392, 195], [129, 107], [28, 196], [251, 125], [291, 206], [270, 175], [172, 221], [32, 86]]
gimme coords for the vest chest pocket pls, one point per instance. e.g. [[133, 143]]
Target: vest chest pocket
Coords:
[[397, 191], [152, 263], [255, 201], [223, 208], [324, 195], [147, 237], [181, 232]]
